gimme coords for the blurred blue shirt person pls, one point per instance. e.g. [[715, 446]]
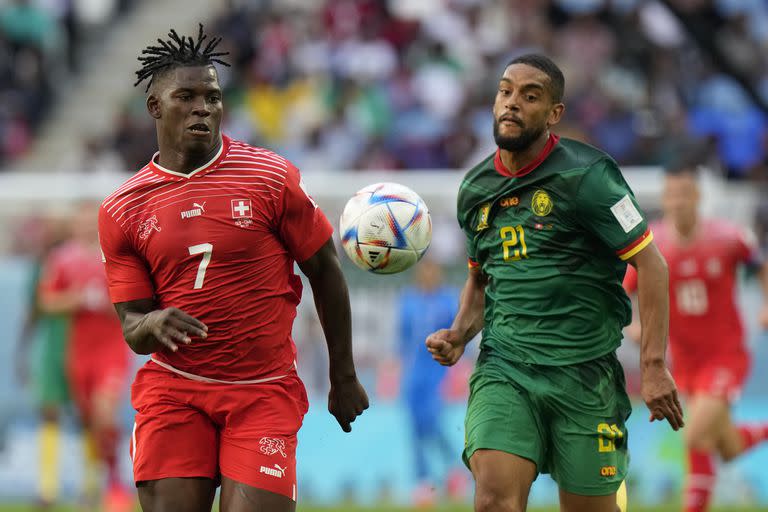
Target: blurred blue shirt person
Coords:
[[427, 306]]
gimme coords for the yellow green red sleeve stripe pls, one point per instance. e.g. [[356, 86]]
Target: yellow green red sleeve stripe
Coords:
[[635, 247], [472, 263]]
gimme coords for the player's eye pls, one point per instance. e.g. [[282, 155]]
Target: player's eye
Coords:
[[214, 99], [504, 92], [531, 97], [185, 97]]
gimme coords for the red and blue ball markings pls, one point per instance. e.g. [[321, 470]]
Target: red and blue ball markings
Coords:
[[398, 231]]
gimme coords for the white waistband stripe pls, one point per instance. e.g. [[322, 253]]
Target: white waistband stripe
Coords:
[[198, 378]]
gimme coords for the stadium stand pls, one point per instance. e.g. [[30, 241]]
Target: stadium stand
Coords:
[[42, 48], [342, 84]]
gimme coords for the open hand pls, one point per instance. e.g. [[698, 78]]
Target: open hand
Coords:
[[172, 326], [660, 395]]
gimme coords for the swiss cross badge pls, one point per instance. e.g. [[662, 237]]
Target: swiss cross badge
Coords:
[[242, 209], [242, 212]]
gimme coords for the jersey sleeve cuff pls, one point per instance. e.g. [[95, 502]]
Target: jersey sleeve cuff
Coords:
[[472, 263], [635, 247], [129, 293], [320, 235]]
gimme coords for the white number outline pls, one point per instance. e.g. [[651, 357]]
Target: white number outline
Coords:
[[691, 297], [206, 250]]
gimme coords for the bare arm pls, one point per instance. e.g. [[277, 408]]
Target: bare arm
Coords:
[[447, 345], [658, 387], [56, 302], [329, 289], [469, 320], [763, 277], [347, 398], [653, 300], [147, 329]]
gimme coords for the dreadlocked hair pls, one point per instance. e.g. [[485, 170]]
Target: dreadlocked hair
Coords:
[[177, 52]]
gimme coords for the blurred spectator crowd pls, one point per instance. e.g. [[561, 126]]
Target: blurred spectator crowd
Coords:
[[42, 45], [400, 84], [367, 84]]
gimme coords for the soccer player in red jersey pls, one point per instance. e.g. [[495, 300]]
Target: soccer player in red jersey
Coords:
[[710, 361], [200, 247], [97, 360]]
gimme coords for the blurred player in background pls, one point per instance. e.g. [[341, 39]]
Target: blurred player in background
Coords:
[[710, 360], [424, 308], [551, 225], [97, 362], [200, 247], [47, 335]]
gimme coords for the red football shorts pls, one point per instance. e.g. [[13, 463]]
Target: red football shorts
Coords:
[[722, 379], [88, 378], [245, 432]]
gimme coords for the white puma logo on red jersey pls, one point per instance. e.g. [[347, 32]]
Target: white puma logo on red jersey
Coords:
[[198, 210]]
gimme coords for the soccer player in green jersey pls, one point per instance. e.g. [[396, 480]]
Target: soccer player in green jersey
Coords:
[[550, 226]]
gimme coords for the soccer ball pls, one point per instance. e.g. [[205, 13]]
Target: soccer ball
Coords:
[[385, 228]]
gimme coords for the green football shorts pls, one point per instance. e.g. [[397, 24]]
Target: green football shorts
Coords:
[[51, 384], [568, 420]]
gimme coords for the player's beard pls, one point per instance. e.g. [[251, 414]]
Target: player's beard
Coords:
[[516, 144]]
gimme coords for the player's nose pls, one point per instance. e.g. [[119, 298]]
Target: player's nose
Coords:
[[201, 108], [512, 102], [201, 112]]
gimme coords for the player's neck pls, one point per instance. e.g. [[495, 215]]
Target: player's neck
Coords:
[[90, 244], [178, 161], [516, 160], [685, 233]]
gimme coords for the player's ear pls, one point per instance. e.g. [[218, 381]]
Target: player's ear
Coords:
[[153, 105], [555, 114]]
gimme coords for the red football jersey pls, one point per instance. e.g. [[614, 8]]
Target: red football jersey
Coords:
[[220, 244], [95, 333], [704, 321]]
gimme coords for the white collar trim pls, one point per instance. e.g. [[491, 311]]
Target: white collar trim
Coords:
[[201, 168]]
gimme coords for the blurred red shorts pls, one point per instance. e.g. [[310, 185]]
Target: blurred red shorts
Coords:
[[104, 378], [722, 379]]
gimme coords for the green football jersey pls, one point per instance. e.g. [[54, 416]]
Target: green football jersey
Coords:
[[552, 239]]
